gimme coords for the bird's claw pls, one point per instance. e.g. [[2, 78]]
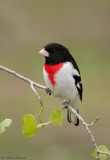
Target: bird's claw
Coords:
[[48, 91], [66, 103], [65, 107]]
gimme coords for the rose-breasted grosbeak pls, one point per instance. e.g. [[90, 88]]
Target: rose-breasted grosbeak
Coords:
[[62, 76]]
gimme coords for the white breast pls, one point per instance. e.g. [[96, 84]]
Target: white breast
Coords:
[[65, 83]]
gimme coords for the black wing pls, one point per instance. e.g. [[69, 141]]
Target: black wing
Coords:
[[78, 84], [77, 77]]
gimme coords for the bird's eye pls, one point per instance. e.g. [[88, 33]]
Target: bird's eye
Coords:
[[53, 50]]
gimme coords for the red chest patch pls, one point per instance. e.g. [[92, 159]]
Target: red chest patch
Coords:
[[52, 70]]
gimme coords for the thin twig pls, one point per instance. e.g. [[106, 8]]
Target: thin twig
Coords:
[[102, 152], [87, 126], [34, 90], [22, 77], [94, 122]]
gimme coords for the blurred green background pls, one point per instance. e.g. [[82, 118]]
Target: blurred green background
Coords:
[[83, 27]]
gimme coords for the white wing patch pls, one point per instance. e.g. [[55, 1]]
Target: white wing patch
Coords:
[[75, 72]]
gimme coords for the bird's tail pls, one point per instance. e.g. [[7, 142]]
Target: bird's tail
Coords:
[[71, 117]]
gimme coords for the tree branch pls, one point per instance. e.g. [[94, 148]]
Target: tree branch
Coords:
[[35, 91], [22, 77], [87, 126]]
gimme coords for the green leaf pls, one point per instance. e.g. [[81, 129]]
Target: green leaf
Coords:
[[108, 152], [56, 117], [29, 125], [4, 125], [102, 156]]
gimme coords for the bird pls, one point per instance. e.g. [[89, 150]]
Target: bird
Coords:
[[62, 77]]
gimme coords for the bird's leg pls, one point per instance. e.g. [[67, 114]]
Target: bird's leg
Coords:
[[66, 103], [48, 91]]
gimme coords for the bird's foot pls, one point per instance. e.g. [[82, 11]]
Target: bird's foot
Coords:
[[66, 103], [49, 92]]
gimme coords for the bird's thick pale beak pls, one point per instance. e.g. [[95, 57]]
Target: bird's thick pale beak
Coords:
[[44, 53]]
